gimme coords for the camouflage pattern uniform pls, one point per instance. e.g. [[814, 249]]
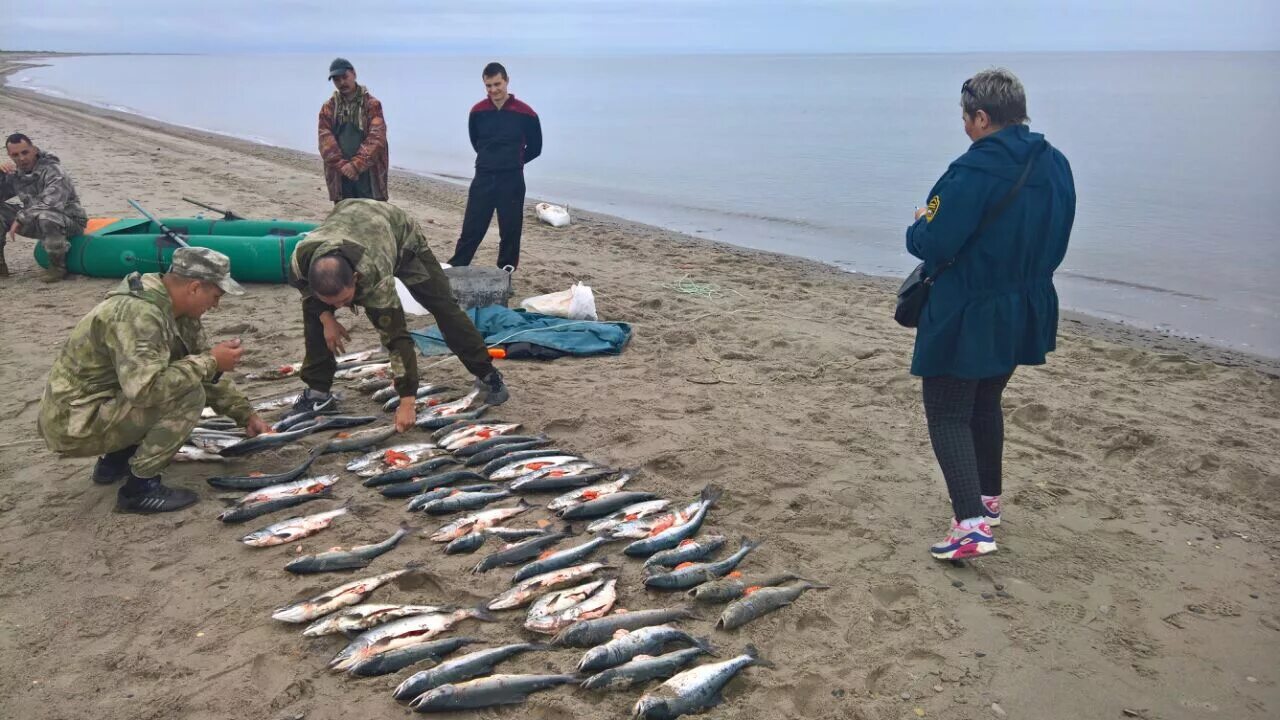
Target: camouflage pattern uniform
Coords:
[[50, 209], [133, 374], [382, 243]]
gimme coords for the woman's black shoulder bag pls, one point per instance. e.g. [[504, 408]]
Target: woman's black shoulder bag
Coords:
[[914, 292]]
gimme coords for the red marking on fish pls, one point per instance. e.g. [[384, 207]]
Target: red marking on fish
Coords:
[[255, 474], [735, 575], [343, 435], [590, 494], [662, 524], [546, 554], [536, 466], [686, 542], [396, 458], [683, 565], [750, 590]]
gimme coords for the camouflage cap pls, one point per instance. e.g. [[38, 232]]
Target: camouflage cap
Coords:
[[200, 263], [339, 66]]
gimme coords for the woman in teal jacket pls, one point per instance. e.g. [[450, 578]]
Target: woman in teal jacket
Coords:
[[996, 307]]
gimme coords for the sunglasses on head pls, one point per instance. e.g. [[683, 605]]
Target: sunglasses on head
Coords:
[[965, 87]]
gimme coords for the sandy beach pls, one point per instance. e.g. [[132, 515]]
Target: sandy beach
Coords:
[[1136, 577]]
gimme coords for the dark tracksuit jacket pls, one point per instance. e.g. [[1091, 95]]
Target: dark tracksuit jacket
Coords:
[[505, 139]]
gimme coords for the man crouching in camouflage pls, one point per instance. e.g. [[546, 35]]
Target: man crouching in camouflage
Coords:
[[353, 258], [136, 373], [50, 209]]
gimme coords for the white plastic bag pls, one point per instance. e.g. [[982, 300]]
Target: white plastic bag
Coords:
[[411, 306], [576, 303], [582, 303], [553, 215]]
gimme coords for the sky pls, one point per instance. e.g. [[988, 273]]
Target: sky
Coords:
[[638, 26]]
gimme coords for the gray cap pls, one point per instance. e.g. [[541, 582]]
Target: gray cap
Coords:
[[200, 263], [339, 66]]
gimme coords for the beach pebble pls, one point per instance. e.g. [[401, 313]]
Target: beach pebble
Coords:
[[1003, 594], [1253, 595], [938, 688], [980, 654], [1251, 679], [987, 596], [999, 586], [957, 583], [998, 711], [905, 696]]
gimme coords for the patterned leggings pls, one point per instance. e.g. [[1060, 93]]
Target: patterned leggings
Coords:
[[966, 427]]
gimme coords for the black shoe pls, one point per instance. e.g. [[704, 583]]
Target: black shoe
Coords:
[[114, 466], [313, 402], [149, 495], [493, 387]]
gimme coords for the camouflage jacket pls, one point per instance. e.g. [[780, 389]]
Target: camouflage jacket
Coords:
[[45, 188], [372, 156], [131, 349], [379, 240]]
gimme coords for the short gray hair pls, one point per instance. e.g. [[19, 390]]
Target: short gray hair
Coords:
[[999, 93]]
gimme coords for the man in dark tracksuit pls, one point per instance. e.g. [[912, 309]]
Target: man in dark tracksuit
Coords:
[[506, 135]]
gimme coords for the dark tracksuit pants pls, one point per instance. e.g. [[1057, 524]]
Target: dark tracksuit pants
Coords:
[[501, 190], [966, 428], [426, 282]]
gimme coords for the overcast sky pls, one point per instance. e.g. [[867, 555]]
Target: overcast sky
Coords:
[[628, 26]]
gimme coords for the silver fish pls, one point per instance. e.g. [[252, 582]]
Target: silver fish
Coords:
[[586, 494], [757, 602], [555, 560], [643, 669], [339, 597], [693, 690], [589, 633], [688, 575], [404, 632], [477, 521], [364, 371], [363, 617], [552, 613], [339, 559], [525, 466], [294, 528], [397, 456], [487, 692], [423, 397], [524, 592], [612, 525], [468, 666], [689, 550], [645, 641], [663, 538]]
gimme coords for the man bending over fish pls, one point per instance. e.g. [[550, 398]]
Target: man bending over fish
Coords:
[[131, 381], [353, 258]]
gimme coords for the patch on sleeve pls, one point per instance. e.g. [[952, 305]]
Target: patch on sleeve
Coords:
[[932, 209]]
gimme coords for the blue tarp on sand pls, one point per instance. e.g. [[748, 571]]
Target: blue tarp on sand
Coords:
[[498, 325]]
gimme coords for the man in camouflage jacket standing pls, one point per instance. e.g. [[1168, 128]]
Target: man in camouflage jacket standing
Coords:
[[137, 371], [353, 138], [353, 258], [50, 209]]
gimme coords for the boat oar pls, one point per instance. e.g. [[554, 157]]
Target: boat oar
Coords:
[[226, 214], [175, 237]]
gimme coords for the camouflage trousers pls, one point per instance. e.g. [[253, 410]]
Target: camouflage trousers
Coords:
[[100, 428], [50, 227]]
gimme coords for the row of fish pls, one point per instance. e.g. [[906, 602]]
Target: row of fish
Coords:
[[469, 464]]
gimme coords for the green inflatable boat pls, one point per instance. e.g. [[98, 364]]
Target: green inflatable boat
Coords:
[[110, 247]]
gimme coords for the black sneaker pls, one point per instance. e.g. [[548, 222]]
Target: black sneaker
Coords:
[[149, 495], [313, 402], [114, 466], [495, 390]]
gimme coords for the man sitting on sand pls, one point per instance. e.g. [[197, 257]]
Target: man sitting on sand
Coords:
[[353, 258], [353, 138], [137, 371], [50, 209]]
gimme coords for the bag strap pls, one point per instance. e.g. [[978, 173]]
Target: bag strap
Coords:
[[994, 212]]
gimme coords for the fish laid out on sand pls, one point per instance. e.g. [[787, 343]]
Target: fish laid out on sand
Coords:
[[693, 690], [466, 667], [629, 645], [339, 597], [555, 611], [295, 528], [758, 602], [340, 559], [358, 618], [689, 574], [487, 692], [278, 497]]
